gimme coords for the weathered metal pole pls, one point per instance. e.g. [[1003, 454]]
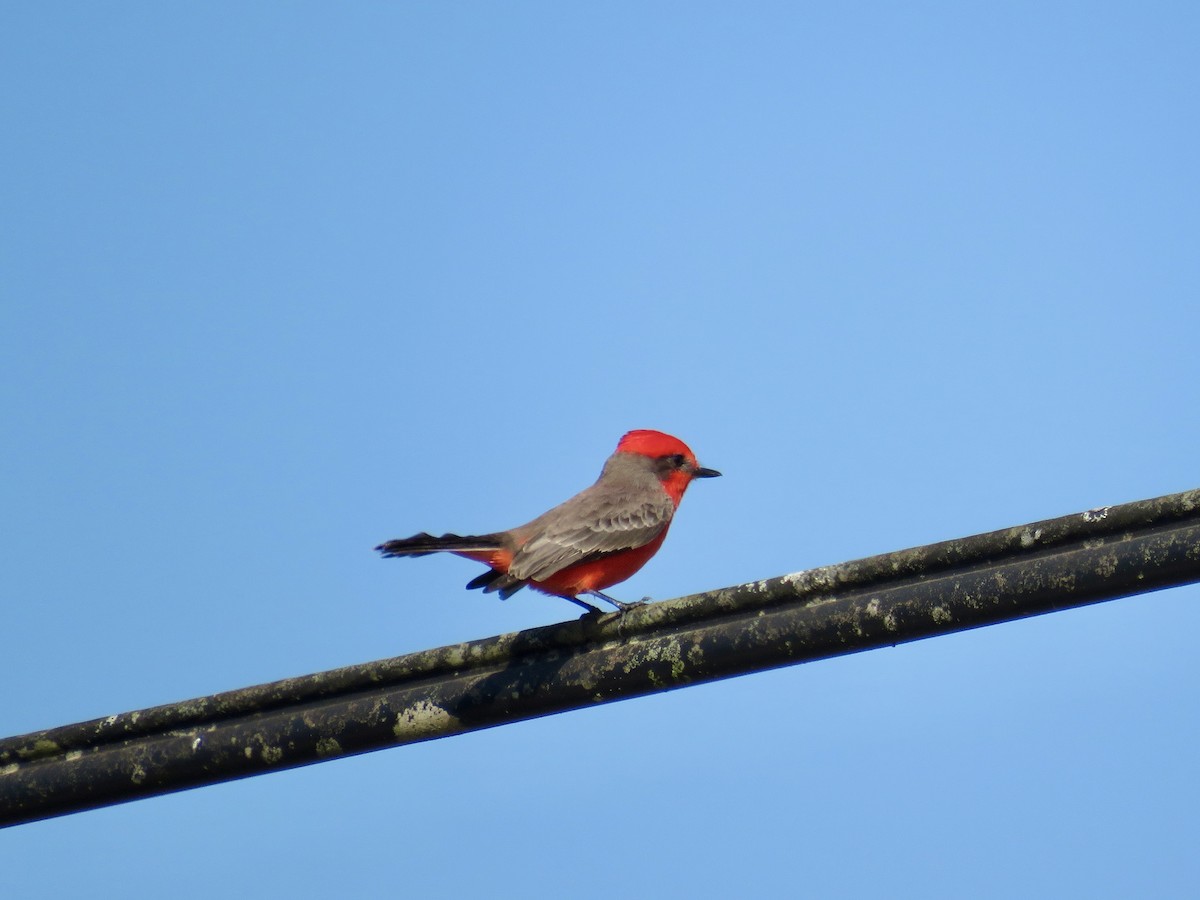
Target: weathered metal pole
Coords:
[[876, 602]]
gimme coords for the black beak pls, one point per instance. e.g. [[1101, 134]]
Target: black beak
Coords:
[[700, 472]]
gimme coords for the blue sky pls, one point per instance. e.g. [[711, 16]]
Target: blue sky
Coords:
[[281, 282]]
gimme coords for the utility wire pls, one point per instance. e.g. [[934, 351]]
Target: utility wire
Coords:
[[880, 601]]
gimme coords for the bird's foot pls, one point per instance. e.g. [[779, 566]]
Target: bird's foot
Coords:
[[621, 605]]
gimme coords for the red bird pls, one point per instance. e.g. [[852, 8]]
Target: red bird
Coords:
[[599, 537]]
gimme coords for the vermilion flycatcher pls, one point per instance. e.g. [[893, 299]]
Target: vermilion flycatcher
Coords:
[[599, 537]]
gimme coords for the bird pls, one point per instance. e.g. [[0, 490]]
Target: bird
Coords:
[[598, 538]]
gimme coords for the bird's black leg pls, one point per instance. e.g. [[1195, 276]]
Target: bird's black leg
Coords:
[[586, 605], [619, 604]]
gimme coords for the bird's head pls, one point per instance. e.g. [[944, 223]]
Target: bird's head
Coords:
[[674, 463]]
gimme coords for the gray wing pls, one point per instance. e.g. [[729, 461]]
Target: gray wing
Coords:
[[588, 526]]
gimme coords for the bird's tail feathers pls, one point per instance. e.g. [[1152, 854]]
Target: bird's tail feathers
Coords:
[[423, 544]]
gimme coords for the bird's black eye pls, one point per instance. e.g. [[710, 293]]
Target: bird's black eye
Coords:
[[677, 460]]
